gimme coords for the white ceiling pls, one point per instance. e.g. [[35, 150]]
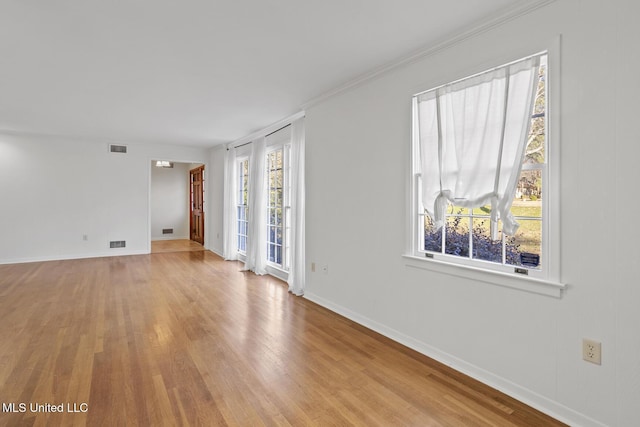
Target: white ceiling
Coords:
[[200, 72]]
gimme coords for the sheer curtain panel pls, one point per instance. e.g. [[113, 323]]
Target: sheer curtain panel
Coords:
[[296, 279], [256, 259], [229, 216], [472, 137]]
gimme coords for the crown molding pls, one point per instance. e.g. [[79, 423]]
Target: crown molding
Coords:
[[520, 9], [267, 130]]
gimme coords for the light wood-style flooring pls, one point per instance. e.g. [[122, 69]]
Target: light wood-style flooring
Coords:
[[178, 245], [185, 338]]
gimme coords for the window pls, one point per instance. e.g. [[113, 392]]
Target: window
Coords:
[[473, 219], [277, 213], [242, 207], [275, 206], [278, 210]]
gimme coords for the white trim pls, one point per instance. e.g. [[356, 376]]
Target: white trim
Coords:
[[480, 73], [552, 155], [171, 237], [267, 130], [205, 177], [280, 147], [239, 172], [529, 397], [217, 252], [520, 9], [550, 257], [116, 253], [277, 272], [508, 280]]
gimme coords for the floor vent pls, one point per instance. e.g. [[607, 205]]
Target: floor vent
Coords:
[[167, 231], [117, 148], [117, 244]]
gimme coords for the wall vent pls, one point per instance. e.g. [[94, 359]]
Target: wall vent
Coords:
[[117, 244], [167, 231], [117, 148]]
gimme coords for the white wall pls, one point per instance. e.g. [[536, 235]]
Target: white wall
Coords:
[[55, 190], [215, 186], [526, 344], [170, 201], [52, 191]]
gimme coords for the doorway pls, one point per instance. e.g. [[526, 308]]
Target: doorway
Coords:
[[173, 197], [196, 221]]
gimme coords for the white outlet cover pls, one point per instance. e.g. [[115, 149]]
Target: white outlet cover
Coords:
[[592, 351]]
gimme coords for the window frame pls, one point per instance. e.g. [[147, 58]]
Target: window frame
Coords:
[[240, 160], [284, 206], [547, 279], [275, 143]]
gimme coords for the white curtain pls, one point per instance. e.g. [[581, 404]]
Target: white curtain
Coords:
[[229, 216], [472, 137], [256, 258], [296, 279]]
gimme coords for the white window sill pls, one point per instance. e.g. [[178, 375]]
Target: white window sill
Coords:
[[276, 271], [272, 269], [527, 284]]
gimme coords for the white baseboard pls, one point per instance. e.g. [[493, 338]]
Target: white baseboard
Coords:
[[277, 273], [113, 252], [171, 237], [215, 251], [535, 400]]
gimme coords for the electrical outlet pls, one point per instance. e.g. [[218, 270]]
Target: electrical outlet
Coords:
[[592, 351]]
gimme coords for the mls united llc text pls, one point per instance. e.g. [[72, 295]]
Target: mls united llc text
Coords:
[[44, 407]]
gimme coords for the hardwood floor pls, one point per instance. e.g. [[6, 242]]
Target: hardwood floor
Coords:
[[178, 245], [185, 338]]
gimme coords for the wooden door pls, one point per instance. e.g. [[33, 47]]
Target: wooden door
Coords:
[[197, 213]]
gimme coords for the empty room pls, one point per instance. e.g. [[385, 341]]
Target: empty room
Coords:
[[319, 213]]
